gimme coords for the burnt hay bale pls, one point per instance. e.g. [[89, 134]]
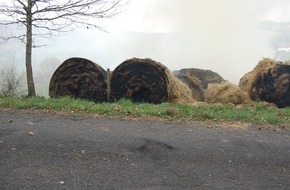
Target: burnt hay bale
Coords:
[[198, 80], [145, 80], [269, 81], [79, 78]]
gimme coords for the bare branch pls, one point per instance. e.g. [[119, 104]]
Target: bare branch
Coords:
[[19, 37], [21, 3], [62, 16]]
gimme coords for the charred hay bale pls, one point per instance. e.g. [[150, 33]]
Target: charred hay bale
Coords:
[[226, 93], [79, 78], [246, 82], [193, 83], [269, 81], [198, 80], [204, 76], [178, 90], [145, 80]]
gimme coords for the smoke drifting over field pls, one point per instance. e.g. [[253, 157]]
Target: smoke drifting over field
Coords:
[[222, 36], [219, 35]]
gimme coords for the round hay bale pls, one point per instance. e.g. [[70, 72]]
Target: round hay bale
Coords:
[[193, 83], [205, 77], [198, 80], [145, 80], [244, 81], [226, 93], [178, 91], [79, 78], [247, 81], [269, 81]]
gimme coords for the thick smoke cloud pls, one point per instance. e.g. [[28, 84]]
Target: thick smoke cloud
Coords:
[[219, 35]]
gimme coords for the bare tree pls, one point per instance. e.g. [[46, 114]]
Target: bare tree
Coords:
[[46, 18]]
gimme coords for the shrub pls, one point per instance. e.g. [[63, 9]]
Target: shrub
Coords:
[[9, 82]]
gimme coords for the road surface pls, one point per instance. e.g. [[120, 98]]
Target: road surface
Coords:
[[51, 151]]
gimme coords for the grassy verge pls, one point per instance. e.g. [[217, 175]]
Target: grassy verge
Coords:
[[258, 113]]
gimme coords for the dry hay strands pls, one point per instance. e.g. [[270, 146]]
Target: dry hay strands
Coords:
[[269, 81], [79, 78], [226, 93], [197, 80], [145, 80]]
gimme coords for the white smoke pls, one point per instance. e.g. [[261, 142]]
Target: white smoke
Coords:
[[218, 35]]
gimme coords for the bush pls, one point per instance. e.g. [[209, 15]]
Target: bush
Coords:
[[9, 82]]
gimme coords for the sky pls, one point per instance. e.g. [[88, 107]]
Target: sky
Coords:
[[222, 36]]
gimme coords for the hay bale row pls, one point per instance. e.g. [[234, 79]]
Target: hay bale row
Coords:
[[145, 80], [79, 78], [141, 80], [269, 81]]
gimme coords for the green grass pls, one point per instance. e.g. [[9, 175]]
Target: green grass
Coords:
[[258, 113]]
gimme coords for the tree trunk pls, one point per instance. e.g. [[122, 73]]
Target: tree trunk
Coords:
[[29, 73]]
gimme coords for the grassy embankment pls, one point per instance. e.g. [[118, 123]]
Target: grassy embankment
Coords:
[[257, 114]]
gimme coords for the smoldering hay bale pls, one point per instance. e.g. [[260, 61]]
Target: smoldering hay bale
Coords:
[[269, 81], [178, 91], [193, 83], [247, 81], [198, 80], [79, 78], [226, 93], [145, 80], [204, 76]]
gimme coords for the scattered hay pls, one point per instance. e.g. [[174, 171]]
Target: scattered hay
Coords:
[[226, 93], [269, 81], [145, 80], [79, 78]]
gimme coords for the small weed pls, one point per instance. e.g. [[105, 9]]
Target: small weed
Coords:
[[171, 111]]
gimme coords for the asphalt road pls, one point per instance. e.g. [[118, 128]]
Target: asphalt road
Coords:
[[40, 151]]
